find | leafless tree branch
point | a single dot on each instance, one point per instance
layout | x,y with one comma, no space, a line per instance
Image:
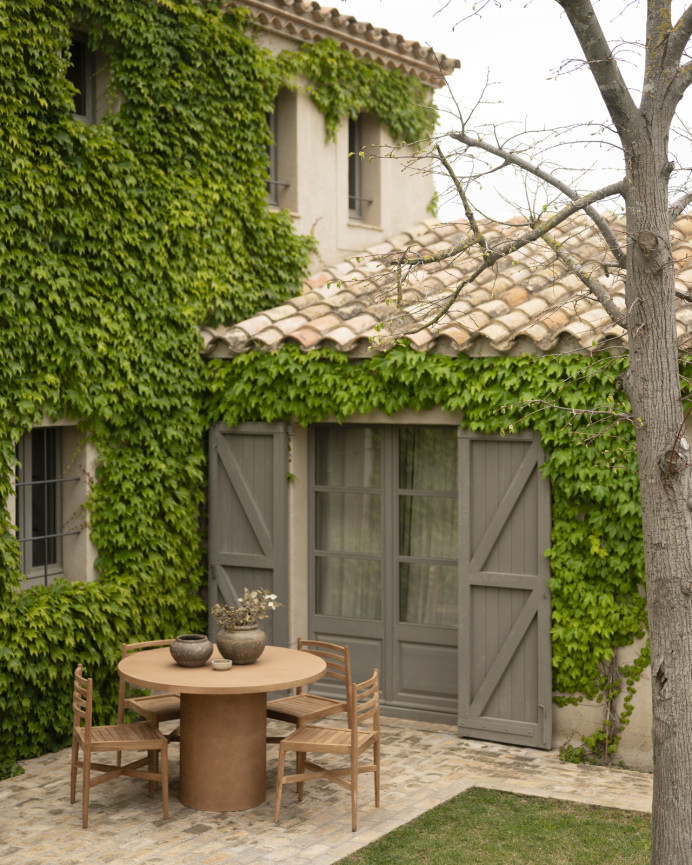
678,86
604,68
409,260
541,174
680,35
617,315
677,207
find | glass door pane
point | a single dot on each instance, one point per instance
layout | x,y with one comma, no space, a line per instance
428,526
348,523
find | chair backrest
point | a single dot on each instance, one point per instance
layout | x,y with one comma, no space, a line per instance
126,649
82,701
364,703
337,657
148,644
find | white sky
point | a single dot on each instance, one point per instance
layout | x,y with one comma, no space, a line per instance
520,45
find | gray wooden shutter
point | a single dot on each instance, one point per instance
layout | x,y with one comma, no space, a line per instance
505,689
248,514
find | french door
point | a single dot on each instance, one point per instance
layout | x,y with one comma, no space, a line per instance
384,540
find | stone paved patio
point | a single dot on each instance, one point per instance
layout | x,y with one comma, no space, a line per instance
423,764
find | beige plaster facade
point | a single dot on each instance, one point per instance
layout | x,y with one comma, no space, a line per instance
635,750
316,169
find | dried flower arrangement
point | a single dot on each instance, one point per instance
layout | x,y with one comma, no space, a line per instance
256,604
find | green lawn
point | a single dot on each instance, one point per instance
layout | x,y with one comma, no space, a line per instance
487,827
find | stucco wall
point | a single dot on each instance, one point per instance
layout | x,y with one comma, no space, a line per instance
318,197
635,750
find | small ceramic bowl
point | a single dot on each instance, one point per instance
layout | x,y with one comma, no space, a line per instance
221,664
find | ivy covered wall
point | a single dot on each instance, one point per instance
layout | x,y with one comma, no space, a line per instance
117,240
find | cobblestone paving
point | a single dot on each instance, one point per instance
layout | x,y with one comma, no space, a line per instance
423,764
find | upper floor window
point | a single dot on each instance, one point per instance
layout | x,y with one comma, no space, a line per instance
282,152
273,180
363,169
82,74
355,169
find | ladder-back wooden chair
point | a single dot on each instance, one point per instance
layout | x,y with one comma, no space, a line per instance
363,706
140,736
304,707
155,708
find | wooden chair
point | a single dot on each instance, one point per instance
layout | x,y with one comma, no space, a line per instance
363,705
156,707
303,707
140,736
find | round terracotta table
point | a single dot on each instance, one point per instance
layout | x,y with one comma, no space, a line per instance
223,760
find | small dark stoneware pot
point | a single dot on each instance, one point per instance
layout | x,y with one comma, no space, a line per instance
191,650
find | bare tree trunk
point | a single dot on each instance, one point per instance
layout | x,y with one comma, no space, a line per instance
653,387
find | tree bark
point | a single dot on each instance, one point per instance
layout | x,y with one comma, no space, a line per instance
653,387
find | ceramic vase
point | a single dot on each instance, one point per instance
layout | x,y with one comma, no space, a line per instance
191,650
243,645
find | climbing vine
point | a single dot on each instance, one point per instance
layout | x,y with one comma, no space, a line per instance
596,552
117,240
342,85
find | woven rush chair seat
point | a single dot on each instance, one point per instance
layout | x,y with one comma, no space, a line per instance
363,706
303,707
139,736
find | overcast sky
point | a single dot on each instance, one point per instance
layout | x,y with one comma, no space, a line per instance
521,45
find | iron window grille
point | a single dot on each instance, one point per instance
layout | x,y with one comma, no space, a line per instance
39,511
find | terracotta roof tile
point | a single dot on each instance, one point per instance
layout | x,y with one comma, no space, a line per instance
307,336
532,305
287,325
513,296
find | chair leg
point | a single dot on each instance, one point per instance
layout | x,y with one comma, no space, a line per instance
73,769
354,793
377,773
86,788
300,768
279,781
164,779
153,767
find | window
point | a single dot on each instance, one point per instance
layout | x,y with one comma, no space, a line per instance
282,151
363,169
385,512
355,170
50,492
82,74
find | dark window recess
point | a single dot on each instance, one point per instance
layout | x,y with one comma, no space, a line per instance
39,502
81,75
273,183
355,170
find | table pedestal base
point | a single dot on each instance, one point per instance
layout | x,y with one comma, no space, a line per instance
223,753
